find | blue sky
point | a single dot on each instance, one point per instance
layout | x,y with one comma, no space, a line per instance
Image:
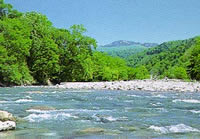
110,20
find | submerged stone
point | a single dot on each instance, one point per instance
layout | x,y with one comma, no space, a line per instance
129,128
42,108
34,92
92,130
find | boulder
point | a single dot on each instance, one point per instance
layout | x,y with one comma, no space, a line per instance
49,83
6,116
92,130
8,125
7,121
34,92
42,108
129,128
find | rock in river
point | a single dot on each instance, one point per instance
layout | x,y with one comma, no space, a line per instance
42,108
92,130
8,125
6,116
7,121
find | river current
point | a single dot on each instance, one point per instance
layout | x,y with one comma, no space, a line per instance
50,113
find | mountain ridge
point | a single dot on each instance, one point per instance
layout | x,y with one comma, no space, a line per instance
128,43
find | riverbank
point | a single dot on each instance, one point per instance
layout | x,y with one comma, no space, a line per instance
144,85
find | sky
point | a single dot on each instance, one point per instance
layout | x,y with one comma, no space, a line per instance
111,20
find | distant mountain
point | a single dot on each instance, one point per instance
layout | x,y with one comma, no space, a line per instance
122,51
124,48
129,43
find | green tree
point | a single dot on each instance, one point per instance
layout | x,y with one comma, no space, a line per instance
77,55
5,9
194,67
15,39
159,59
109,68
177,73
141,73
44,53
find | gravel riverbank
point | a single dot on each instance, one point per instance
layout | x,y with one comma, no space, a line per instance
145,85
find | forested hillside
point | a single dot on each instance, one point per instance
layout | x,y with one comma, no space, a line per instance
33,51
124,49
175,59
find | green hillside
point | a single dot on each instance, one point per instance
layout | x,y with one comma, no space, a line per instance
122,51
170,59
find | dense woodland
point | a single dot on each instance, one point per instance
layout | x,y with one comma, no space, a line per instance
175,59
122,51
33,51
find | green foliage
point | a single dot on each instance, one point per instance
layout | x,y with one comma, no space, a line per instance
163,59
108,68
14,37
177,73
194,66
5,9
76,52
33,51
122,51
44,53
138,73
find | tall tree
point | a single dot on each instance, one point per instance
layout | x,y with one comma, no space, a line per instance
78,50
44,53
4,9
14,36
194,67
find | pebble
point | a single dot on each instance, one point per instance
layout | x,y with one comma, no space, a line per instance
143,85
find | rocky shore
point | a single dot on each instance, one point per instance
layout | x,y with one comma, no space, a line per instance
145,85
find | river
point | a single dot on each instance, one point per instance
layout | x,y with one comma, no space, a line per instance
100,114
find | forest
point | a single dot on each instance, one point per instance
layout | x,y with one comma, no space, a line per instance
122,51
33,51
175,60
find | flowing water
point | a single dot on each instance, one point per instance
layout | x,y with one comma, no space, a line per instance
100,114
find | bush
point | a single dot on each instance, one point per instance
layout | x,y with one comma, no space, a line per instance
138,73
177,73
